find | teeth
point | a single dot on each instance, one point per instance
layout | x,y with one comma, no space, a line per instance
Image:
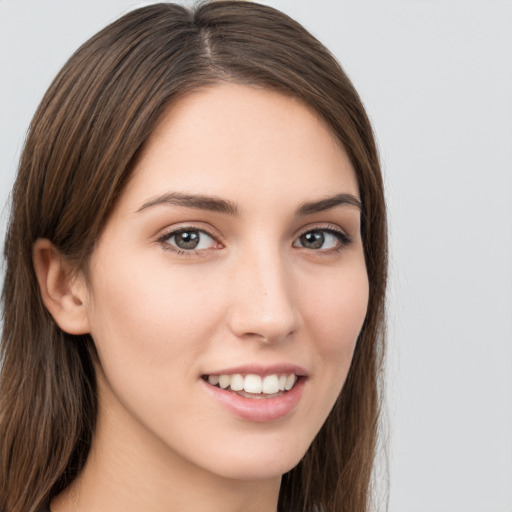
290,382
214,380
224,381
271,384
237,382
254,384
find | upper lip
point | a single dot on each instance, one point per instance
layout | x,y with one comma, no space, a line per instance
263,370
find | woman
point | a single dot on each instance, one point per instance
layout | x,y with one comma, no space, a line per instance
196,267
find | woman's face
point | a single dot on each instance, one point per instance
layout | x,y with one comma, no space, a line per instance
233,258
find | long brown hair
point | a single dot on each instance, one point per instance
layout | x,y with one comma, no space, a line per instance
79,154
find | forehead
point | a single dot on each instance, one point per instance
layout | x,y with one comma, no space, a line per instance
245,142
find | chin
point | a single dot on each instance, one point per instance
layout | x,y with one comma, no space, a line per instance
257,462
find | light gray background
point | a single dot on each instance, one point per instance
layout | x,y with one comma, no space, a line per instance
436,77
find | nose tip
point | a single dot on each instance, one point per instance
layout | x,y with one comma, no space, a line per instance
263,326
264,307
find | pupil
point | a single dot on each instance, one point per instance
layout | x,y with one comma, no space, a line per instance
312,240
187,239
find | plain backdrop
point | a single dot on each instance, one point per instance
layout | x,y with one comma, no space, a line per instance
436,78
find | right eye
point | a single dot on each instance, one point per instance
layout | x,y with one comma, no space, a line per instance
185,240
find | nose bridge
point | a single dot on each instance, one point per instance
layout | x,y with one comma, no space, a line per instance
263,304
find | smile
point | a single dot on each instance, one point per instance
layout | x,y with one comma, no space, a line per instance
253,385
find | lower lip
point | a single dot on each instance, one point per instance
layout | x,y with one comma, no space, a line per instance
258,409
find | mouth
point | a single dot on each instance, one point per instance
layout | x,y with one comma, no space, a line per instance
254,386
255,393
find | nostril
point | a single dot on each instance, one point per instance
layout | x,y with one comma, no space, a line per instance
264,328
263,303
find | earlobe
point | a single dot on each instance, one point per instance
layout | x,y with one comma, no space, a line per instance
63,293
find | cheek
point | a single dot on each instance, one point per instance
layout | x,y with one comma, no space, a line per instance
150,329
333,317
149,318
336,314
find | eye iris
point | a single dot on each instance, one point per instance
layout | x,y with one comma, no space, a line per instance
187,239
313,240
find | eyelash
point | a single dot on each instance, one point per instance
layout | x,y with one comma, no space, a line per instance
164,239
343,239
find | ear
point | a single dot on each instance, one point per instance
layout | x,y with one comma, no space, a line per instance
64,294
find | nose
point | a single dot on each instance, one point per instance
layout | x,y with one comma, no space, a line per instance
263,303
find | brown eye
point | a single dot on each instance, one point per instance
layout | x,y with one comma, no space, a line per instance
322,239
189,240
312,240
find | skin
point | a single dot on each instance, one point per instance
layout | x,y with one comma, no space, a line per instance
253,293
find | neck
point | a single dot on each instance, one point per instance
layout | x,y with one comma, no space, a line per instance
130,470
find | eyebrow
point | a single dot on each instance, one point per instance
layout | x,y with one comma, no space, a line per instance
201,202
328,203
216,204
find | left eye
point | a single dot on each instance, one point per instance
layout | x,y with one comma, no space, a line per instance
189,240
321,239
